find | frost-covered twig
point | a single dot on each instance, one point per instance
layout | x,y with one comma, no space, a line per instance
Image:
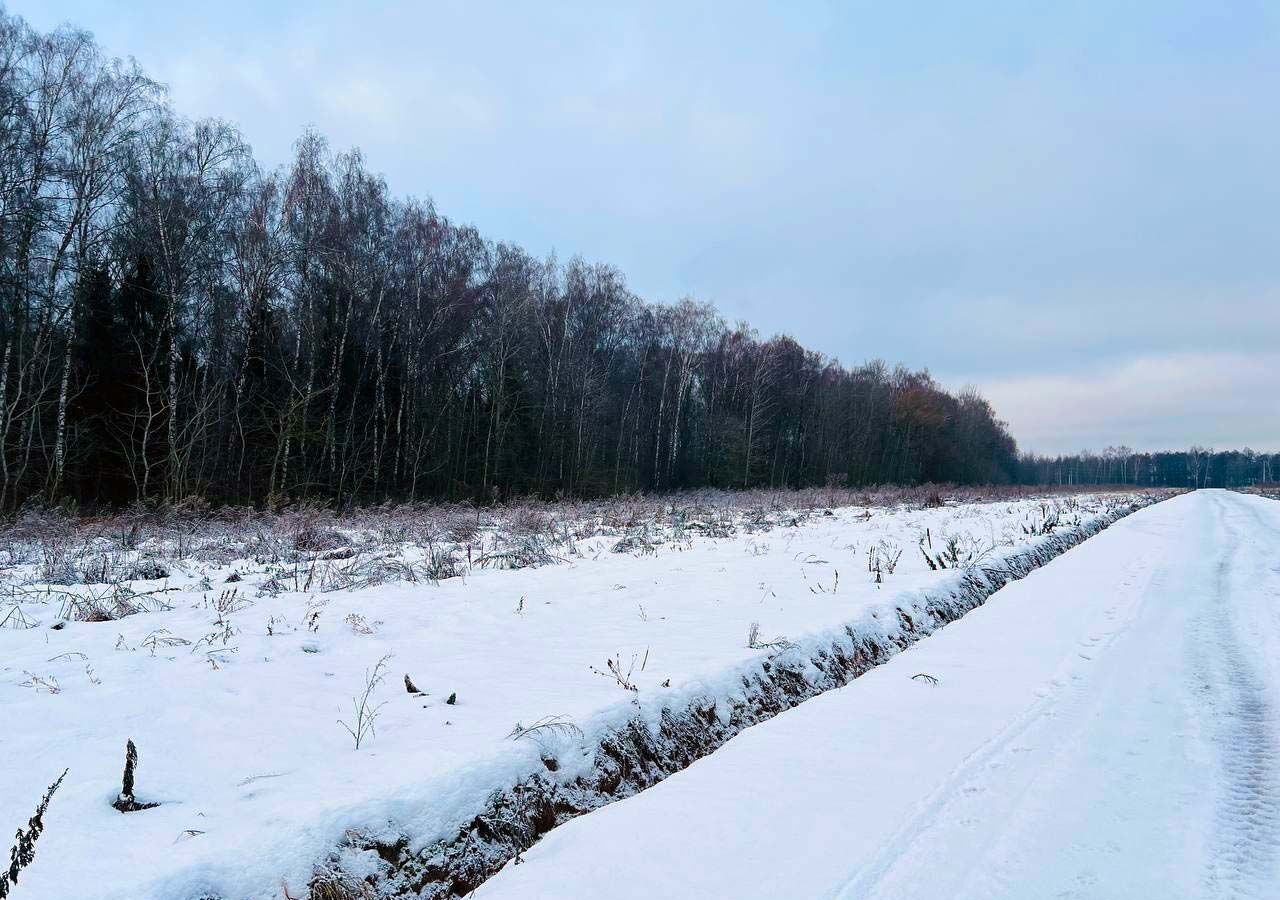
41,684
615,671
546,727
126,802
24,848
754,642
364,714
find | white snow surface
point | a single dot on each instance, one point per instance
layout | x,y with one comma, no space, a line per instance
1105,728
239,741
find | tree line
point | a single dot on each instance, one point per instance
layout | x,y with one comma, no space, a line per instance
1197,467
179,321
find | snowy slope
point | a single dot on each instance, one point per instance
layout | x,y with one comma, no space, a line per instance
1106,727
235,710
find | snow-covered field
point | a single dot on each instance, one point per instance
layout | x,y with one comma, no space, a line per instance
235,673
1108,727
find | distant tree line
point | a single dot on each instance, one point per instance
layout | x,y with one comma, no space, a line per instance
177,321
1197,467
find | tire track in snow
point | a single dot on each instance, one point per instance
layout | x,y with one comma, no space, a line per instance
1246,835
958,811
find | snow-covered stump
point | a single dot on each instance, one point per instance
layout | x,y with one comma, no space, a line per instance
663,737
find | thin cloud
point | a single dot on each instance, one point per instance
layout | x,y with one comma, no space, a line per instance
1149,403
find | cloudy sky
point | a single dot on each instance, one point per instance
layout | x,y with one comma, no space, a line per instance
1073,206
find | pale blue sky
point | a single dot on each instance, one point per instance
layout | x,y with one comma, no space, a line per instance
1073,206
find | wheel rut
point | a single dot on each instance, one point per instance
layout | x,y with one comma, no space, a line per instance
1246,833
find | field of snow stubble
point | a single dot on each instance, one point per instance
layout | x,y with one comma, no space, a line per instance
234,677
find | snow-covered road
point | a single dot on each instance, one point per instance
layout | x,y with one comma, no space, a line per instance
1107,727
